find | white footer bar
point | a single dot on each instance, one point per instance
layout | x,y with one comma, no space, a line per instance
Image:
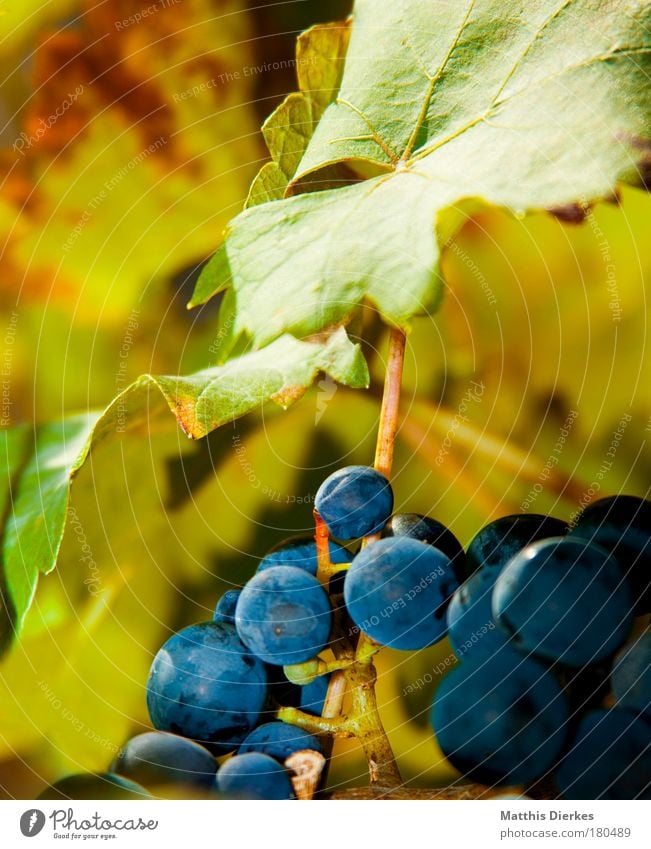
376,825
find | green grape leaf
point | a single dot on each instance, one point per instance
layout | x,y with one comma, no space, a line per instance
38,474
440,108
280,372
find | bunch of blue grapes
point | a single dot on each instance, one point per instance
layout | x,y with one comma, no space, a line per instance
553,675
551,631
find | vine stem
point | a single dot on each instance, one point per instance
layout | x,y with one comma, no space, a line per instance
389,411
383,769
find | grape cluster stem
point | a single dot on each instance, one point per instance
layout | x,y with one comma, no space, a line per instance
355,671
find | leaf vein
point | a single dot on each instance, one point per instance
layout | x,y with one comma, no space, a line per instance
433,79
376,137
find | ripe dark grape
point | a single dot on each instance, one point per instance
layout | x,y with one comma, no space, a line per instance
622,525
499,541
424,529
564,599
500,721
631,676
284,616
279,740
206,685
225,609
90,786
301,552
471,628
254,776
397,591
156,758
312,696
609,758
354,502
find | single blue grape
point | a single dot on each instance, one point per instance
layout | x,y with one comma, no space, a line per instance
397,591
90,786
622,525
354,502
500,721
284,616
206,685
225,608
499,541
471,628
610,757
156,758
254,776
301,552
631,675
312,696
564,599
279,740
428,530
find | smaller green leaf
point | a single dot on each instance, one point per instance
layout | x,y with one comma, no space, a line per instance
14,451
287,132
269,184
320,53
32,535
281,373
38,472
14,444
216,274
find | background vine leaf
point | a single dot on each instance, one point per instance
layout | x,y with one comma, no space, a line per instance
441,107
